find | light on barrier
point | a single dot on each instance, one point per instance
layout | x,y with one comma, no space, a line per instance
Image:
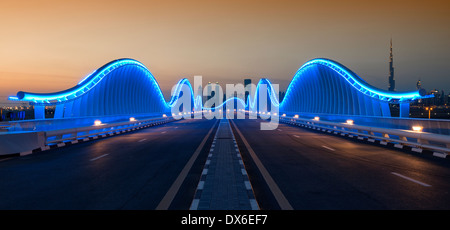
350,122
417,128
97,122
316,118
296,116
132,119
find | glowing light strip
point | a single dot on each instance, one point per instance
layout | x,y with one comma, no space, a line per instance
174,99
95,77
356,82
84,85
84,79
272,95
223,103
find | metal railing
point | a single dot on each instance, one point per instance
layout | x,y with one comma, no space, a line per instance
412,138
68,135
27,142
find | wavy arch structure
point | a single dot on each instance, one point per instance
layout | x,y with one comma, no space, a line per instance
123,86
126,86
325,86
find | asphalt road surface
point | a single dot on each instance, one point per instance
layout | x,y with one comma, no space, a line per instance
317,171
128,171
159,168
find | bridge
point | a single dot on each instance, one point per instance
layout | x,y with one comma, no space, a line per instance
115,142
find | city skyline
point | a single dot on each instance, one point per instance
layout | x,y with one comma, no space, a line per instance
50,46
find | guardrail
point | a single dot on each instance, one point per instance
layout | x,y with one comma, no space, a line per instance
416,139
19,143
65,135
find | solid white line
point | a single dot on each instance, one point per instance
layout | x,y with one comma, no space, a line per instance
173,190
410,179
142,140
331,149
164,132
104,155
279,196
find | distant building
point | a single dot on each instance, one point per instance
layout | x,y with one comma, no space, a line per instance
208,95
247,82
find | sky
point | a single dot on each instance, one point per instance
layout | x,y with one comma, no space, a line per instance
49,46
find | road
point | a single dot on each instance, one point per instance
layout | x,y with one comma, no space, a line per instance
159,168
128,171
321,171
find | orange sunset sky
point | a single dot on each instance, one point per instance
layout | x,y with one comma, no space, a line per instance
48,46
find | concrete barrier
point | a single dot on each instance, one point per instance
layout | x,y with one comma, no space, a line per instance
20,142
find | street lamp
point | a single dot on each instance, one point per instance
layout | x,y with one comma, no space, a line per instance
417,128
429,111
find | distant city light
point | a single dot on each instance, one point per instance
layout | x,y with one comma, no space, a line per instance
132,119
296,116
97,122
350,122
284,115
164,115
417,128
316,118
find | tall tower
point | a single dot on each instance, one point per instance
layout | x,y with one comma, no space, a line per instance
247,82
391,71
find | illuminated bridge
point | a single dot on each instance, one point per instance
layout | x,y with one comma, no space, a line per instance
115,142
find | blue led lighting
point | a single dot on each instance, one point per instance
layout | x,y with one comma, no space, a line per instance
90,81
251,103
84,85
174,98
358,83
226,101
